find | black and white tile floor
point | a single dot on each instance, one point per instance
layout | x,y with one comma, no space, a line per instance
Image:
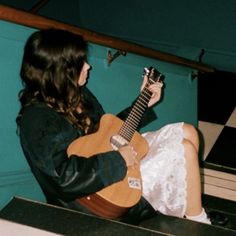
217,124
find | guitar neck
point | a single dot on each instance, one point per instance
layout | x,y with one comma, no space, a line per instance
140,106
133,120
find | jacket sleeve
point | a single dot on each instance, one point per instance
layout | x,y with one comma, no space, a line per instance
45,144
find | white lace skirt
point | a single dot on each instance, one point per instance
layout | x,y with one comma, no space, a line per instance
163,170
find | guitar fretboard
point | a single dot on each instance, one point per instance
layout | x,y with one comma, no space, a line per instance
140,106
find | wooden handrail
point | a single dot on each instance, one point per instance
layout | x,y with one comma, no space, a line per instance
39,22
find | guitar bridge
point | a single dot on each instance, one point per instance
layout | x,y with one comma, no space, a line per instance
118,141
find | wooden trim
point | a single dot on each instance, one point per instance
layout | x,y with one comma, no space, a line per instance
39,22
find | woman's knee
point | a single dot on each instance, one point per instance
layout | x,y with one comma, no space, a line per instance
190,151
191,134
190,131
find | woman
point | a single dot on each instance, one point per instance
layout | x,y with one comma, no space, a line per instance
57,108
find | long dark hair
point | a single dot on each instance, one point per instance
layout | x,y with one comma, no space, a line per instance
50,70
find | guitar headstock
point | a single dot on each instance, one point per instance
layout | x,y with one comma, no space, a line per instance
153,75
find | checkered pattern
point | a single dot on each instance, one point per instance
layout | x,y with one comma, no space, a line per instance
217,119
220,143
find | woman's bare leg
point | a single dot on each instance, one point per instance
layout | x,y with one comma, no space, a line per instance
194,210
194,202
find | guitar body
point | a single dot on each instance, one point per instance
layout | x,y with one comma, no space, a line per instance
114,200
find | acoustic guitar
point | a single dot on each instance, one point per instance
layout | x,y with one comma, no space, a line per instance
114,200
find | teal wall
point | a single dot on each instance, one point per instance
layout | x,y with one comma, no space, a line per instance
165,25
116,86
15,176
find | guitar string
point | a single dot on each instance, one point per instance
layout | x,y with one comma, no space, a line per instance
130,125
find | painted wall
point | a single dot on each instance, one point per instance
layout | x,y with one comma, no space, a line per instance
15,176
116,86
166,25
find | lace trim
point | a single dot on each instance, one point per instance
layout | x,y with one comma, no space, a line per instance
163,170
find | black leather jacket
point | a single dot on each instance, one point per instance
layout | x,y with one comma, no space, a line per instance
45,136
